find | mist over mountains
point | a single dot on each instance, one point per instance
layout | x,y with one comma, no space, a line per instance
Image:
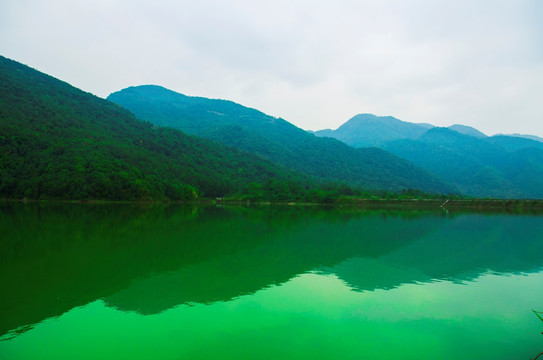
503,166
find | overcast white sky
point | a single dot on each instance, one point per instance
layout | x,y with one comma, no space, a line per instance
313,63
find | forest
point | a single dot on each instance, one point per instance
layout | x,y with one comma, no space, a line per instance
277,140
60,143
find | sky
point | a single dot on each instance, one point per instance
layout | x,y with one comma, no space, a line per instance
314,63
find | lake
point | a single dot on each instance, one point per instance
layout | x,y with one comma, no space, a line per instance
95,281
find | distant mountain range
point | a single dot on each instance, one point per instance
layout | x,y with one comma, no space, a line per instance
525,136
58,142
276,140
366,130
503,166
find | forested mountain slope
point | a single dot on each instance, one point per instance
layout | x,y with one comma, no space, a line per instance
365,130
276,140
478,165
59,142
489,167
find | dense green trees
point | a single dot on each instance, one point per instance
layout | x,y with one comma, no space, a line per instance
367,130
280,191
276,140
501,166
57,142
477,165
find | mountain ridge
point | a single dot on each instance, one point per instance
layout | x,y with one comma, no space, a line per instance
467,130
58,142
477,164
387,127
275,139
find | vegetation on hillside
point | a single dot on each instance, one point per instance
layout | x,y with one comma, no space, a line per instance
276,140
477,165
498,167
57,142
276,191
365,130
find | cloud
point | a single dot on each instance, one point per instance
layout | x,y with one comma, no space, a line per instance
314,63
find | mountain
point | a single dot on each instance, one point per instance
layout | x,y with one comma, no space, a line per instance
531,137
366,130
59,142
478,165
276,140
514,143
467,130
457,158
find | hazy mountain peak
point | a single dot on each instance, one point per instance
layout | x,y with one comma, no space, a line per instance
149,90
467,130
278,141
446,135
369,118
364,130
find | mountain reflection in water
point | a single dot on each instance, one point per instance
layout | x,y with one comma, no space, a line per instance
150,258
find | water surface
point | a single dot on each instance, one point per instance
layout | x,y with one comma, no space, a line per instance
185,282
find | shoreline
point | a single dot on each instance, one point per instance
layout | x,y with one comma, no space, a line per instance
426,204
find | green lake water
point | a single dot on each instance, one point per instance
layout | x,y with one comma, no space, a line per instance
186,282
